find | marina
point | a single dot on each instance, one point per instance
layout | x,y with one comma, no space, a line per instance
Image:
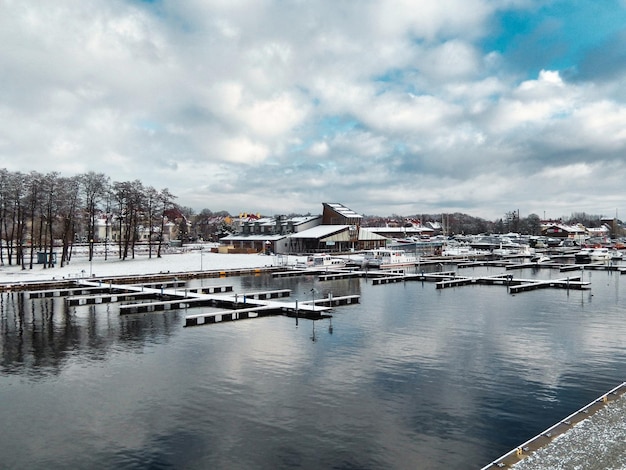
176,296
291,235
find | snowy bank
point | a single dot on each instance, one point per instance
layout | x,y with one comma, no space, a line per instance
169,262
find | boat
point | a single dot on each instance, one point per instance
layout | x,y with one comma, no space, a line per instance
600,254
583,256
590,255
540,258
318,261
464,251
388,258
513,250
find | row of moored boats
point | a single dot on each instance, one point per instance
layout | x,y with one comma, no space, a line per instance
389,257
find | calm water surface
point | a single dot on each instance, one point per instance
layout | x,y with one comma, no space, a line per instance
412,377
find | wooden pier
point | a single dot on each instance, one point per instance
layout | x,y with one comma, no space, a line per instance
448,279
98,289
156,298
574,283
341,275
309,310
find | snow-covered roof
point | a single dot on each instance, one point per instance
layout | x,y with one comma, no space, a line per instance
320,231
368,235
343,210
302,219
563,227
252,238
397,231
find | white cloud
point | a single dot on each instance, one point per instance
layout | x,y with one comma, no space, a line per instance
352,98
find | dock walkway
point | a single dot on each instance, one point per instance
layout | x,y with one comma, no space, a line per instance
239,305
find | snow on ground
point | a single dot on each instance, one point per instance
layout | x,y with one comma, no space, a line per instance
192,259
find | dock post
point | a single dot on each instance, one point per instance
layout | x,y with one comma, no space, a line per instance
296,312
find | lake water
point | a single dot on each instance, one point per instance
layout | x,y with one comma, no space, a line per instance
412,377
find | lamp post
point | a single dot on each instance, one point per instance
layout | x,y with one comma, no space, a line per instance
313,297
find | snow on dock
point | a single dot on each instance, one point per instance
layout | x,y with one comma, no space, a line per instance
240,305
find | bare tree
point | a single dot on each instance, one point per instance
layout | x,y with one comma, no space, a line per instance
68,197
33,184
4,202
129,196
13,216
94,186
166,200
135,207
49,213
151,201
121,194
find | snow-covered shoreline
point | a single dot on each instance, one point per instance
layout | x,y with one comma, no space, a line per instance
80,266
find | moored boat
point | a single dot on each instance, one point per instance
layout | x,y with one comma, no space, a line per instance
600,254
583,256
540,258
386,258
322,261
590,255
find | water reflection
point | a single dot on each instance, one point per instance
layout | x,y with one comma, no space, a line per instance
39,336
412,377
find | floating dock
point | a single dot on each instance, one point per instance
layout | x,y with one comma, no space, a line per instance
309,310
156,298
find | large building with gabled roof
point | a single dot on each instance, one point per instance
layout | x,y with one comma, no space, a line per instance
337,230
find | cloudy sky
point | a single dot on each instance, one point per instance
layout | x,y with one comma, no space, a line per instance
275,106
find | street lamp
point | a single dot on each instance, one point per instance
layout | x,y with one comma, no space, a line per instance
313,291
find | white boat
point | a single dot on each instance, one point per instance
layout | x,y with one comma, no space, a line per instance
461,250
600,254
540,258
589,255
387,258
616,254
583,256
324,261
513,250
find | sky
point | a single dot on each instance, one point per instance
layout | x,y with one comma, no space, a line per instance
275,106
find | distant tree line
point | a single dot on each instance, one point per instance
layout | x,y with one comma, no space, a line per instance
40,211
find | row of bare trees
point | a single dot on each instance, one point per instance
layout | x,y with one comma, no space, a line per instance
40,211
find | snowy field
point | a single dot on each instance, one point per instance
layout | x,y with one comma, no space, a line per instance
191,259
